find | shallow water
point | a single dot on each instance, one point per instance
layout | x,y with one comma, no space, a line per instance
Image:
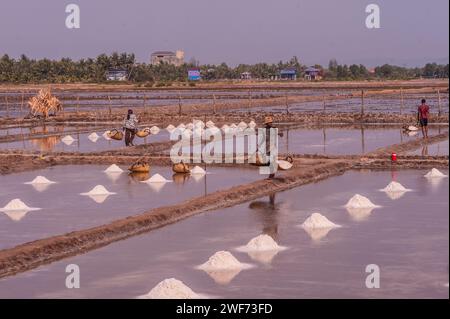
342,141
435,149
81,143
64,209
408,238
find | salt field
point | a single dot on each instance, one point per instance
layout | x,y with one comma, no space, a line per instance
63,209
407,237
81,142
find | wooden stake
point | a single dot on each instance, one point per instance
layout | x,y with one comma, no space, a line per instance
21,105
439,102
324,105
78,105
214,104
109,106
179,104
402,101
287,104
362,102
7,106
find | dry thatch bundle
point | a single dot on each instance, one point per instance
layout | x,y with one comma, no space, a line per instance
44,103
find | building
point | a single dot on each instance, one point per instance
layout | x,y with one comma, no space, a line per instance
246,76
288,74
313,74
194,75
116,75
169,57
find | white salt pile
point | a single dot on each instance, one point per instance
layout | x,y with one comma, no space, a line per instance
17,205
190,126
435,173
197,170
252,124
359,201
412,133
181,125
210,131
394,187
113,169
210,123
98,190
187,133
154,130
170,128
225,127
223,260
199,123
261,243
106,135
67,139
233,126
317,220
242,125
93,136
412,128
171,289
40,180
156,179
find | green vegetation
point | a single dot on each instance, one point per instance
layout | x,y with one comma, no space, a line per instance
25,70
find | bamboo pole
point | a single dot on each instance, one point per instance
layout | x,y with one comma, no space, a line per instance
109,107
144,104
287,103
179,104
402,101
21,104
7,106
362,102
439,102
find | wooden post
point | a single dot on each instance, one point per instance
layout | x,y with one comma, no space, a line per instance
323,101
362,102
402,101
143,104
214,104
439,102
21,105
249,99
179,104
78,105
287,103
7,106
109,107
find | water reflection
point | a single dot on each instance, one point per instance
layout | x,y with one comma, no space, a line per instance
268,213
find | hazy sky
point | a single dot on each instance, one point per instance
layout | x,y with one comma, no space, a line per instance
233,31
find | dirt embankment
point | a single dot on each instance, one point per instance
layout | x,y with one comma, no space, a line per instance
408,146
162,119
34,254
233,85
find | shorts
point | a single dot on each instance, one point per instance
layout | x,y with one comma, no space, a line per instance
423,122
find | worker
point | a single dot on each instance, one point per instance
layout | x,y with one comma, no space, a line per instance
130,127
423,113
268,125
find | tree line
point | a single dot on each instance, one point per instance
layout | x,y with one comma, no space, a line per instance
93,70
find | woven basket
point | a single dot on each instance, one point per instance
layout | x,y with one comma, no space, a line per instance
139,168
115,135
180,168
143,133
